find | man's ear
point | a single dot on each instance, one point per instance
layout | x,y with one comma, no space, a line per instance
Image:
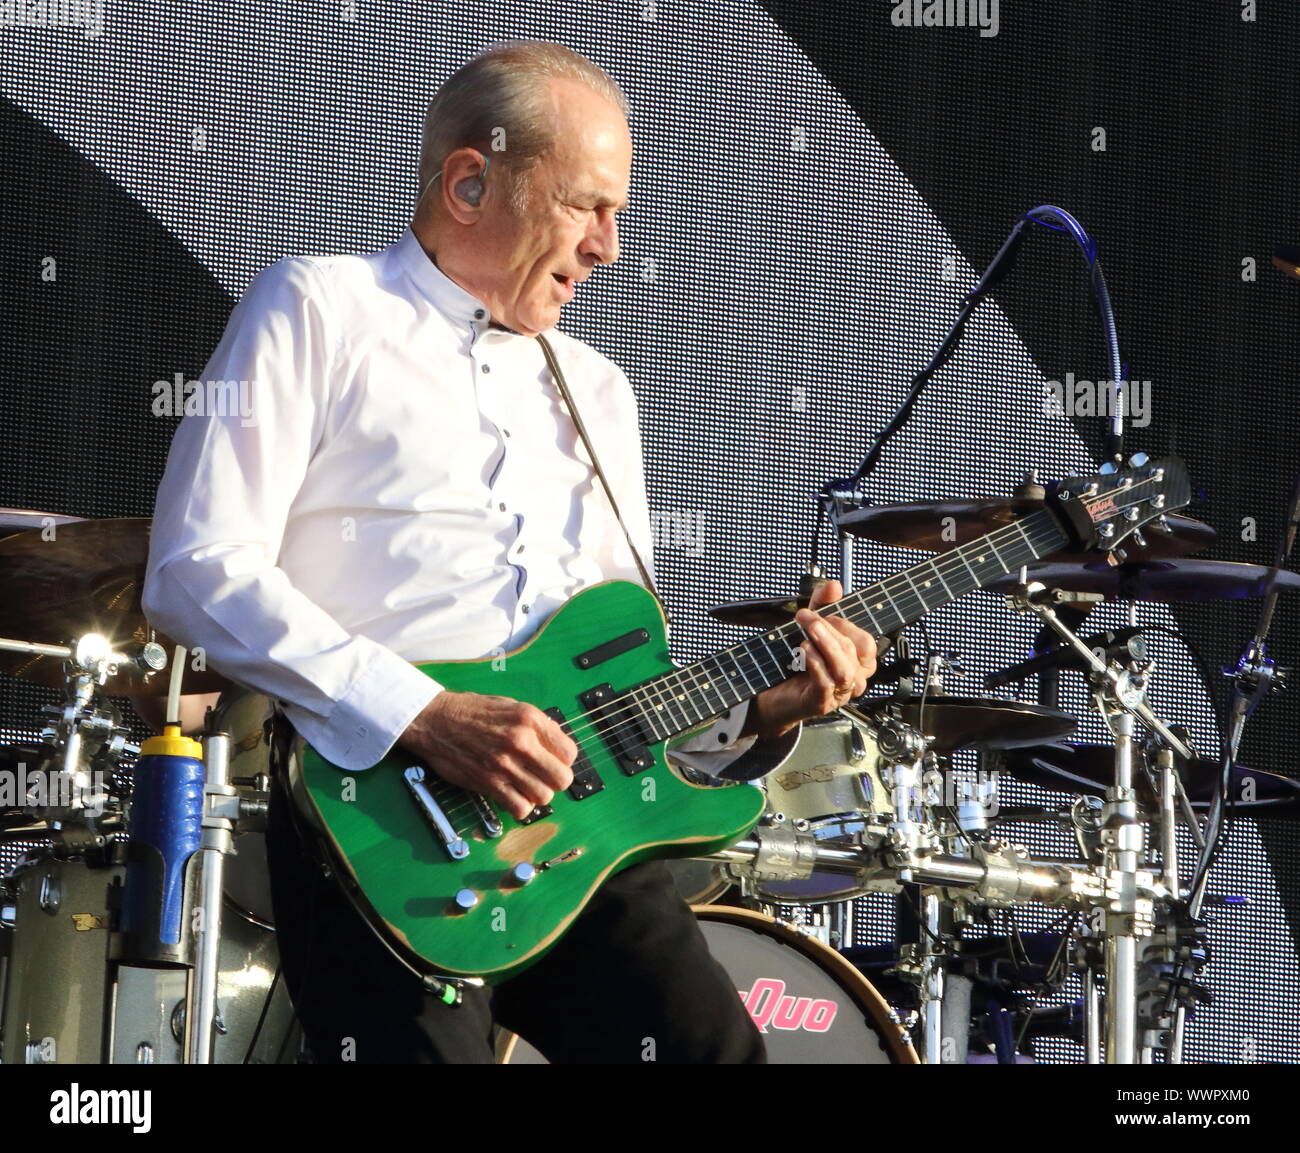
463,184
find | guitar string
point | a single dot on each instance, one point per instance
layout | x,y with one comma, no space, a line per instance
699,678
690,677
695,672
464,805
602,714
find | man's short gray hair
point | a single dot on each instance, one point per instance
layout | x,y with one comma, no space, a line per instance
497,102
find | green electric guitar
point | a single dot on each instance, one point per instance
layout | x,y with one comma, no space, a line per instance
460,888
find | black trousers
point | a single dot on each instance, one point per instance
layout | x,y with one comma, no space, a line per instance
631,981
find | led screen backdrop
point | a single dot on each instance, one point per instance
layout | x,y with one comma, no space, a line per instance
813,194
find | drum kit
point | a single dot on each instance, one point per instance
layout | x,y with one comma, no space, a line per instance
870,802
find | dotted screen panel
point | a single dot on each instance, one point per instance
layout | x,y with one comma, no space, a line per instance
782,277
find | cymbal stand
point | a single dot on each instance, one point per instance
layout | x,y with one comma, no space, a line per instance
83,726
1128,911
909,841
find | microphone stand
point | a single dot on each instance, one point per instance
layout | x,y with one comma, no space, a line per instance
1254,677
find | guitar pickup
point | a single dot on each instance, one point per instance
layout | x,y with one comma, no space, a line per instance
585,778
623,737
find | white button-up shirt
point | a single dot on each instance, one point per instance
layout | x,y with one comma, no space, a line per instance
401,483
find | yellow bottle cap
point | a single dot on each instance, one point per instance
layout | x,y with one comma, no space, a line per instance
172,744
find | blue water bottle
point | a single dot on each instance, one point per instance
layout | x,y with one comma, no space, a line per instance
165,829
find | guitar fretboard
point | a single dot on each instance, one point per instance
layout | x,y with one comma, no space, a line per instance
687,697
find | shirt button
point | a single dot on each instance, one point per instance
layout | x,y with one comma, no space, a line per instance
505,431
519,550
502,506
479,314
487,368
525,607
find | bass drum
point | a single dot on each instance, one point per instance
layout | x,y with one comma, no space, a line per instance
811,1005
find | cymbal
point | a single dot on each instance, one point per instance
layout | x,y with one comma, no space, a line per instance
84,577
1090,768
759,612
20,519
972,722
940,525
1166,580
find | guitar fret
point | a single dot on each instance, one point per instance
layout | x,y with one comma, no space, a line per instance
648,715
740,669
939,576
777,665
994,548
920,596
710,685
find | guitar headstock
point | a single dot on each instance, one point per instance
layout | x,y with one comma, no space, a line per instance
1114,505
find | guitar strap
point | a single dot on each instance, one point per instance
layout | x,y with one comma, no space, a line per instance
554,365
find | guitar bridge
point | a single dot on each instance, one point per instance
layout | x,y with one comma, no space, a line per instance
487,816
451,840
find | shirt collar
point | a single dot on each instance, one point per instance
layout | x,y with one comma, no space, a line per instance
444,293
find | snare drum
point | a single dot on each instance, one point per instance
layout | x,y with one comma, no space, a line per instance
831,785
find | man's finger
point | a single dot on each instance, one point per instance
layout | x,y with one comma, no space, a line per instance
838,649
826,593
863,641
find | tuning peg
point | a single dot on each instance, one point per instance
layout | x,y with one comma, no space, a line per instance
1138,459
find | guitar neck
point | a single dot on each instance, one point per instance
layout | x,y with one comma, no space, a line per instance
687,697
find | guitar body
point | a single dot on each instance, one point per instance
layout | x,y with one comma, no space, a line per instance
402,875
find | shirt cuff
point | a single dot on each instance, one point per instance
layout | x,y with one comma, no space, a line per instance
720,751
366,722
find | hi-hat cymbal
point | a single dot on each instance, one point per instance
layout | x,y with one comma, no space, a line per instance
972,722
1090,768
1166,580
81,577
759,612
940,525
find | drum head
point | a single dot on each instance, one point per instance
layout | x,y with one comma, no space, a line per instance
811,1005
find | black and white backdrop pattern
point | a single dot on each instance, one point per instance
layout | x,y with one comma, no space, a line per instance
781,280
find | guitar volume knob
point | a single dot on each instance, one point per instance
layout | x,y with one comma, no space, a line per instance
466,899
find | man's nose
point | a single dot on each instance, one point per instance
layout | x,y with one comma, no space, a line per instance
602,240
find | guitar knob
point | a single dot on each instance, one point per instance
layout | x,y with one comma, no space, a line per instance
466,899
1138,459
522,873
